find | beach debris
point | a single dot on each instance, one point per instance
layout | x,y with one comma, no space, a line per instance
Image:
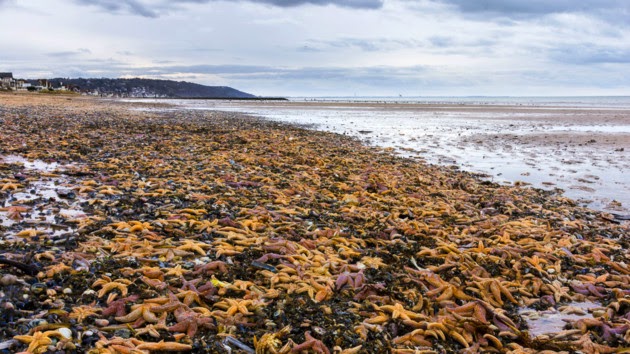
214,232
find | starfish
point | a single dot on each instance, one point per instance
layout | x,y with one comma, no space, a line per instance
373,262
587,345
416,337
177,271
171,304
353,280
189,245
398,311
189,321
152,272
211,267
38,342
118,345
10,186
138,226
233,306
108,190
109,285
154,283
117,307
271,342
14,212
311,345
189,284
58,268
84,189
152,329
28,233
190,296
144,311
80,313
163,346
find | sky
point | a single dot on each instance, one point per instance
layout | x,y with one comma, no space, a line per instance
329,47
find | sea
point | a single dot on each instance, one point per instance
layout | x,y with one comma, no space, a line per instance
578,146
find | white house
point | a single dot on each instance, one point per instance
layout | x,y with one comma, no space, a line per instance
6,80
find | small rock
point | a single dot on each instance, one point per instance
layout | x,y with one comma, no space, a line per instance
101,322
37,322
89,292
66,193
38,288
123,333
65,332
8,279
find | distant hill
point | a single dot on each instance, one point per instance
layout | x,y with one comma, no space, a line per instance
150,88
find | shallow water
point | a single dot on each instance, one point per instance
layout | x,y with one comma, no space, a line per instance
37,165
553,321
582,149
47,207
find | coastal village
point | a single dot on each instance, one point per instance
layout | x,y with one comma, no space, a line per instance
119,87
9,83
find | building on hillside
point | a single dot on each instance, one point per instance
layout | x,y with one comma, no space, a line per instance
6,80
44,83
22,85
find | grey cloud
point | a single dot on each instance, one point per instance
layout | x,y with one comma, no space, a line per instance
614,9
441,41
70,53
130,6
154,9
62,54
374,75
589,53
364,4
363,44
536,6
208,69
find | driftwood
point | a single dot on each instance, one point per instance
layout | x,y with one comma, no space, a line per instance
29,269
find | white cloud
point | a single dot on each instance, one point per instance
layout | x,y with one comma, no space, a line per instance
328,47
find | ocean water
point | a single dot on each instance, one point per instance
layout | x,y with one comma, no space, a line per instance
559,101
577,144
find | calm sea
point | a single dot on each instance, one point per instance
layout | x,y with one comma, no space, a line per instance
561,101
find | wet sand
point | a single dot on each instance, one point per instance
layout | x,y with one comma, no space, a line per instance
584,151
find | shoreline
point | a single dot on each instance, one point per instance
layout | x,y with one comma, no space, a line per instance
582,151
208,229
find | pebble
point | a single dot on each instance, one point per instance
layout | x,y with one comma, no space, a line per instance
123,333
8,279
65,332
37,322
101,322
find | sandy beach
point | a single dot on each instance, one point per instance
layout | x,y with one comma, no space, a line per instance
167,230
579,148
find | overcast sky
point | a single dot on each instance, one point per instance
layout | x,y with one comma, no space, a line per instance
329,47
